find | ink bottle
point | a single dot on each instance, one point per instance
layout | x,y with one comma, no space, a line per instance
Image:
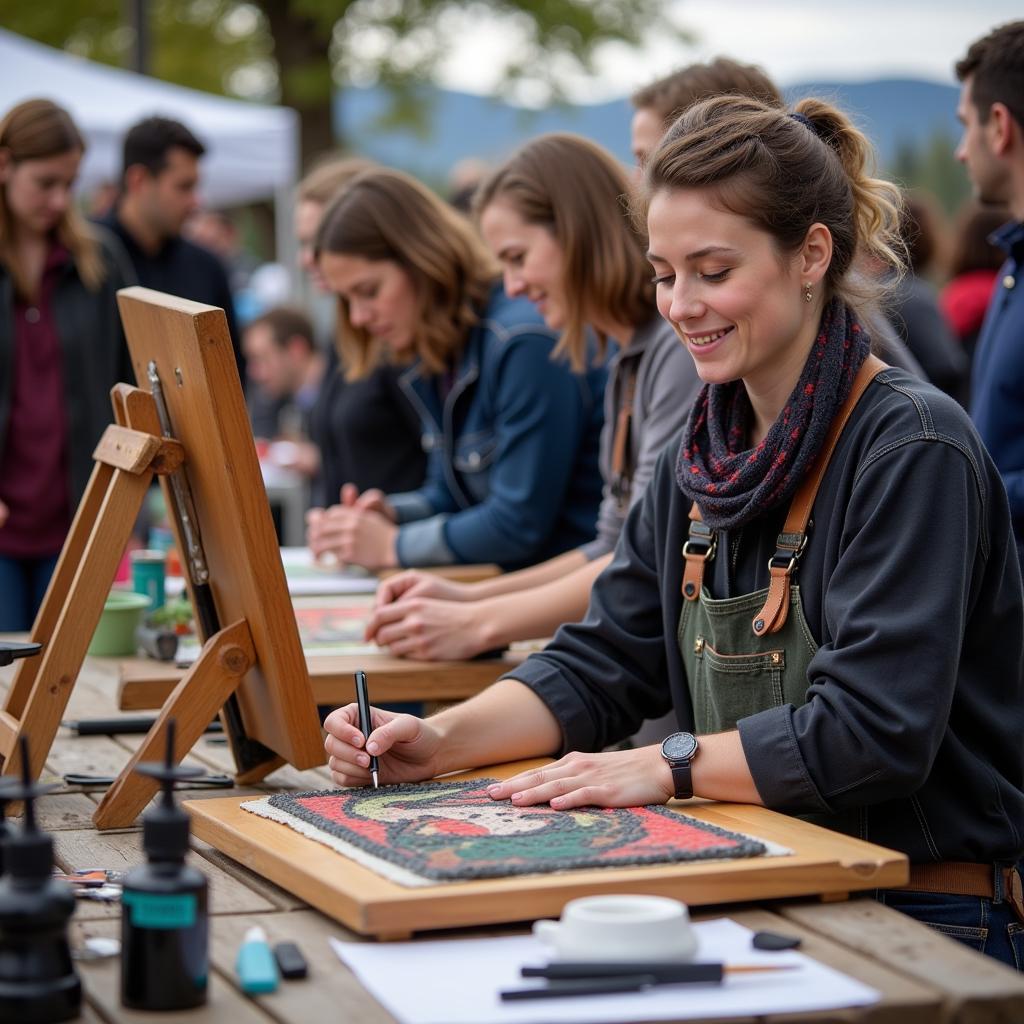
164,917
38,981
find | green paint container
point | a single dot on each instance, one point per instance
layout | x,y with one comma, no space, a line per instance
115,633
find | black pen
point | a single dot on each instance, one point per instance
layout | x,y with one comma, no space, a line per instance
365,721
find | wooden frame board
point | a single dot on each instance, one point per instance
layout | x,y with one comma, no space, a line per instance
823,863
191,348
146,684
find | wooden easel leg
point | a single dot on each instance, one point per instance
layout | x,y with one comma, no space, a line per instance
59,586
214,676
39,696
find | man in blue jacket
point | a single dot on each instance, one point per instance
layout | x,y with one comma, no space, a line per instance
992,148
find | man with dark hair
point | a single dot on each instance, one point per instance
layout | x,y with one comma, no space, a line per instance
159,181
282,360
991,110
657,105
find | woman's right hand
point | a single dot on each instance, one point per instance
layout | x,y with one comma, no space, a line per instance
407,747
413,583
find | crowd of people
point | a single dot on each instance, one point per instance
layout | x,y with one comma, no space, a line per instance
746,441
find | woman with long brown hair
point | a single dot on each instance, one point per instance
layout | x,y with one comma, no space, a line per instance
555,217
61,347
511,433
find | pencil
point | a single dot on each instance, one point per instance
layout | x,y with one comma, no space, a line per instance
591,979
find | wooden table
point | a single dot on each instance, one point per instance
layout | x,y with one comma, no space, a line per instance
144,684
924,977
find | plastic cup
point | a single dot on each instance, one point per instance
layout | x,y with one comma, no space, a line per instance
148,568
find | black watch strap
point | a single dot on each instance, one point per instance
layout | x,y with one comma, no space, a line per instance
682,779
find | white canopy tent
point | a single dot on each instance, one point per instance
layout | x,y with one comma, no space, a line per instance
251,150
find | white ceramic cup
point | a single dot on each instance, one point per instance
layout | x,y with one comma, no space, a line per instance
620,928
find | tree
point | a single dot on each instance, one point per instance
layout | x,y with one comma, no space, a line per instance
299,52
931,166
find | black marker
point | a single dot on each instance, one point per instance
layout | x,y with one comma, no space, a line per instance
365,721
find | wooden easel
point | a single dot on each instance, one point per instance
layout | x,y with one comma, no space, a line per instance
252,669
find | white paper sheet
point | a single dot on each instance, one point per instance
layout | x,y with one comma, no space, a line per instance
306,577
457,982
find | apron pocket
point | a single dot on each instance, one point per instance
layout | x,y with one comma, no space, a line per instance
728,687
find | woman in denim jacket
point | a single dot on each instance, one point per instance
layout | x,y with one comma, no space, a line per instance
512,435
553,215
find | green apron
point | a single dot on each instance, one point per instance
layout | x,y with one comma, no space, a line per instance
750,653
732,673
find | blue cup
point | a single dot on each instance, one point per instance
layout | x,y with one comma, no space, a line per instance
148,575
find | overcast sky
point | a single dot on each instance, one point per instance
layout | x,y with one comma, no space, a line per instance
794,40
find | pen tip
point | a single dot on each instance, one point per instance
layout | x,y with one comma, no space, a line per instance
376,783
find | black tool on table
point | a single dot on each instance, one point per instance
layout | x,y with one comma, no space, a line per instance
290,961
774,941
9,651
585,978
194,782
128,725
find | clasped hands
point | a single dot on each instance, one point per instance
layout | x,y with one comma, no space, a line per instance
422,615
358,531
411,749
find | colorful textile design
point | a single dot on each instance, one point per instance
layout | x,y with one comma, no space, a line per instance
733,484
450,831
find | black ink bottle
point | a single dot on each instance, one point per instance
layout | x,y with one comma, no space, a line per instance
164,922
38,982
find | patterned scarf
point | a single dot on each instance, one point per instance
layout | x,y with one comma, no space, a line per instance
733,484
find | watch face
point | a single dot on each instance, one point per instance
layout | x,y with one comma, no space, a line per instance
680,746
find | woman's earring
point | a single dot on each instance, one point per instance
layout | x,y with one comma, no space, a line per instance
807,291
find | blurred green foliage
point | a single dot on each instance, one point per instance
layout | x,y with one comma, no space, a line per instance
934,169
299,51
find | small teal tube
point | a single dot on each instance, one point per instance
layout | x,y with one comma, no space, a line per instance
255,966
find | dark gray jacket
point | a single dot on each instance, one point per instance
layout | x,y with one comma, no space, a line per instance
911,735
92,347
666,385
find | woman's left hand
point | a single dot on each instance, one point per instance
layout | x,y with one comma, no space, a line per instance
617,778
432,630
355,536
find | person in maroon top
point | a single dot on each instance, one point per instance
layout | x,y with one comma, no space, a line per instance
61,348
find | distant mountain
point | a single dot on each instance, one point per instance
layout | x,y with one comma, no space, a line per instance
459,125
892,111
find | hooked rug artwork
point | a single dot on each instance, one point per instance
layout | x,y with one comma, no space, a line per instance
426,833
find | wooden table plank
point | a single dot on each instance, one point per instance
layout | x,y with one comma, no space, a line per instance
975,988
330,993
120,851
101,980
904,1000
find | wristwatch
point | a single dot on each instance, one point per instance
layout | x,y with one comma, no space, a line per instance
679,750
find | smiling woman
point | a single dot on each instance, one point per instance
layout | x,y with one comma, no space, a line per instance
61,348
830,645
511,434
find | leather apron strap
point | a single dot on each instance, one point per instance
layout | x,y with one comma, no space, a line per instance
701,543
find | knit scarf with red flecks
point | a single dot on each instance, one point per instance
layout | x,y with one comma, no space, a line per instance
733,484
